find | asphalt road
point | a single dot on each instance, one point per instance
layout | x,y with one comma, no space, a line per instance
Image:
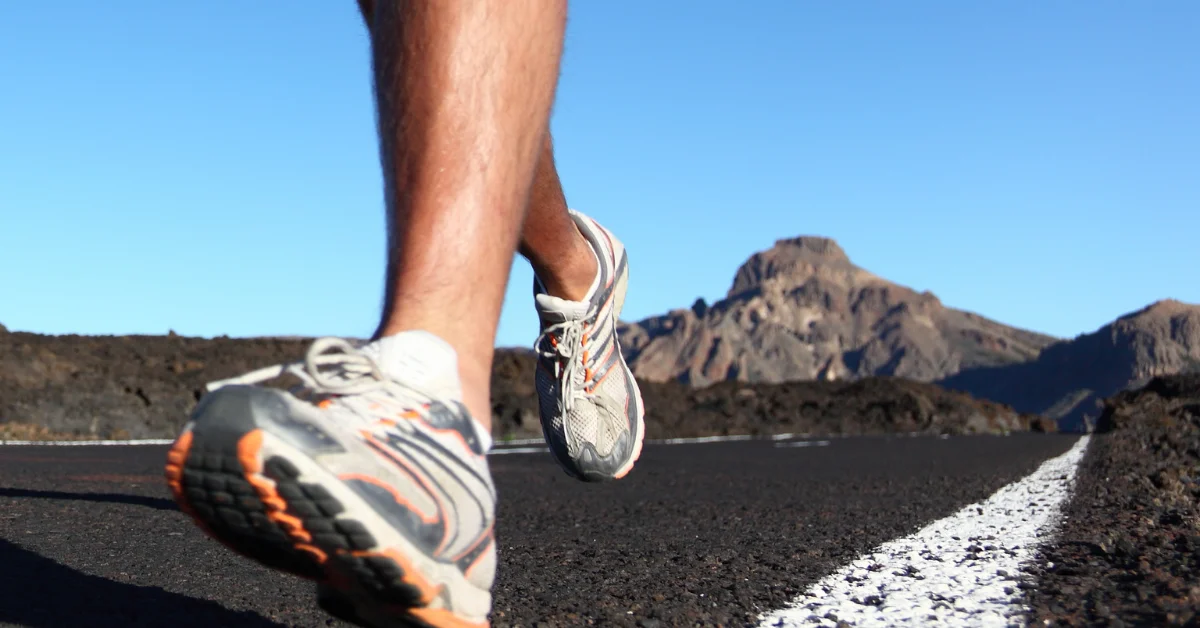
698,534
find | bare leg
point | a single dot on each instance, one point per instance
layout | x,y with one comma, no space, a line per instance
464,91
560,256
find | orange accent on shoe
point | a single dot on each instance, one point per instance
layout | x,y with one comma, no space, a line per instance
247,452
471,568
411,574
612,295
485,540
587,372
457,436
445,619
448,530
596,384
324,403
637,452
413,414
176,457
612,250
317,554
591,373
248,448
425,518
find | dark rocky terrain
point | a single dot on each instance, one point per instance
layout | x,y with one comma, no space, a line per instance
145,386
1069,380
1129,551
874,405
802,311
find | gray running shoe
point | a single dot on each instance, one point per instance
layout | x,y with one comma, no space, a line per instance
591,407
375,484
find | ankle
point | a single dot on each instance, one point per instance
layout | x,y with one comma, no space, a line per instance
570,276
437,366
476,386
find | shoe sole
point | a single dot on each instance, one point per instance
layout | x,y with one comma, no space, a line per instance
267,501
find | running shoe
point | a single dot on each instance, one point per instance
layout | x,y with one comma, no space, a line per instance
590,405
370,478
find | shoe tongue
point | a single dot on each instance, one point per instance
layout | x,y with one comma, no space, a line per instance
555,310
419,360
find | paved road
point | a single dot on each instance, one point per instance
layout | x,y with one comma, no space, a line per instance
700,534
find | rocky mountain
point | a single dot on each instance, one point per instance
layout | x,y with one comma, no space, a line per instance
1069,380
802,310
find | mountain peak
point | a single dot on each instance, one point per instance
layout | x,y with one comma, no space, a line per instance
813,246
793,260
1169,305
1162,307
802,310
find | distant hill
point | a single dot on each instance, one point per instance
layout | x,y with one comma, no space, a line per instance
802,310
1070,379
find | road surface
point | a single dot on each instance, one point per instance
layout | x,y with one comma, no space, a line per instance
699,534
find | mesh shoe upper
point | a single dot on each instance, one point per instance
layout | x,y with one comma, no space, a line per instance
590,405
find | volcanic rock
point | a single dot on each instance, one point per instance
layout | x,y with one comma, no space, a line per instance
1128,552
145,387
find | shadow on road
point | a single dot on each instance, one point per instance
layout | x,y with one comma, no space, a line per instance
157,503
38,592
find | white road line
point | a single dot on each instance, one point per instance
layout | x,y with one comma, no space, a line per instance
520,442
673,441
498,451
88,443
166,441
804,443
701,439
520,446
959,571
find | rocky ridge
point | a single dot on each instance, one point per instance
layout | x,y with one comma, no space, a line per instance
802,310
1069,380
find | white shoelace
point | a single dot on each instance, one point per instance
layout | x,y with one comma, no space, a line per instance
566,347
353,371
335,367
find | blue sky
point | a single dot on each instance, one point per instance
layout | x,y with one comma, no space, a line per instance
212,168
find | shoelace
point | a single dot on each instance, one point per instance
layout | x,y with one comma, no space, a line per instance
335,367
563,342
